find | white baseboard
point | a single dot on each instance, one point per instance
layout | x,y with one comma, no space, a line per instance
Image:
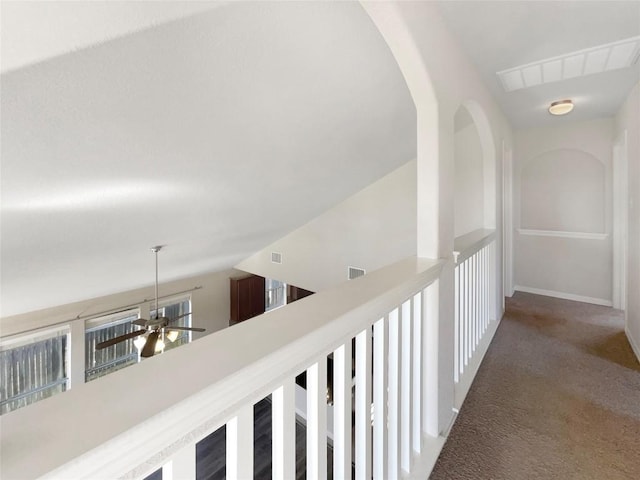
632,342
566,296
431,448
555,233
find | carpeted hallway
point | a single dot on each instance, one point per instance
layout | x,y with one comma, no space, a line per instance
557,397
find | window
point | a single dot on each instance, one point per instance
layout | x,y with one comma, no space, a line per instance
115,357
33,367
275,294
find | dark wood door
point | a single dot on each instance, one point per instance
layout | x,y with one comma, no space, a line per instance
247,297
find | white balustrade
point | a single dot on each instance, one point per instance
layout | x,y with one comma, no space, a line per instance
475,298
186,394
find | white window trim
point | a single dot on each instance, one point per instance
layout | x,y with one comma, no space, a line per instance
22,339
96,323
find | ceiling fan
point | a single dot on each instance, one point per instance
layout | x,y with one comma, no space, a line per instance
158,328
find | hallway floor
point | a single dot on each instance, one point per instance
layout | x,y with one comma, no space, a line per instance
557,397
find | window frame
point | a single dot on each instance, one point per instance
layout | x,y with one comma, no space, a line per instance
102,322
25,340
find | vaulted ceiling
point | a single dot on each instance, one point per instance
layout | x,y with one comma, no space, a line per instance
216,128
213,133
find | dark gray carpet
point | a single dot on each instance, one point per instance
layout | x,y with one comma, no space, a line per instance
557,397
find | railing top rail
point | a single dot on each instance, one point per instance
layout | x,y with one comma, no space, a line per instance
110,427
466,245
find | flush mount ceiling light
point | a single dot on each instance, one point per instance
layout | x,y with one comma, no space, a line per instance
561,107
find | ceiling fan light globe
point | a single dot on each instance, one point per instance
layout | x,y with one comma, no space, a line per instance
139,342
172,335
159,346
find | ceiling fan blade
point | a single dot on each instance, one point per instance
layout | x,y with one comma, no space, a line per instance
192,329
140,321
150,347
179,316
121,338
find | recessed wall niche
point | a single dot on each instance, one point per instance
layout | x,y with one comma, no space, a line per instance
469,175
563,190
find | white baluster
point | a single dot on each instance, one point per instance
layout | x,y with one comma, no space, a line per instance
470,312
342,411
393,392
406,386
284,430
317,420
240,445
416,402
494,308
476,301
485,285
481,291
430,336
380,379
464,292
456,322
363,405
487,256
469,308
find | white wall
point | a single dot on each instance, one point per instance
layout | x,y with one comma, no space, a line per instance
469,181
628,118
563,190
563,210
373,228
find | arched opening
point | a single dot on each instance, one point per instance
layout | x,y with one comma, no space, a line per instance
393,28
475,177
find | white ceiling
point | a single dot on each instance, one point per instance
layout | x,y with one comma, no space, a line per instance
39,30
499,35
217,128
214,134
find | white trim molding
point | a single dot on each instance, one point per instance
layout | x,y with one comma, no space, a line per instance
467,245
557,233
566,296
507,221
620,220
632,342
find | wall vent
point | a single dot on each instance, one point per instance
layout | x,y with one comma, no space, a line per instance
355,272
276,257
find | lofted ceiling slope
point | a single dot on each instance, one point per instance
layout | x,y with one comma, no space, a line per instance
214,134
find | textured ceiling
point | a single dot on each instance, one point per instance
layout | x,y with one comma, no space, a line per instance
34,30
498,35
214,134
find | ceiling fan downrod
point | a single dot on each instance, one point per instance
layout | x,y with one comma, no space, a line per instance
155,250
